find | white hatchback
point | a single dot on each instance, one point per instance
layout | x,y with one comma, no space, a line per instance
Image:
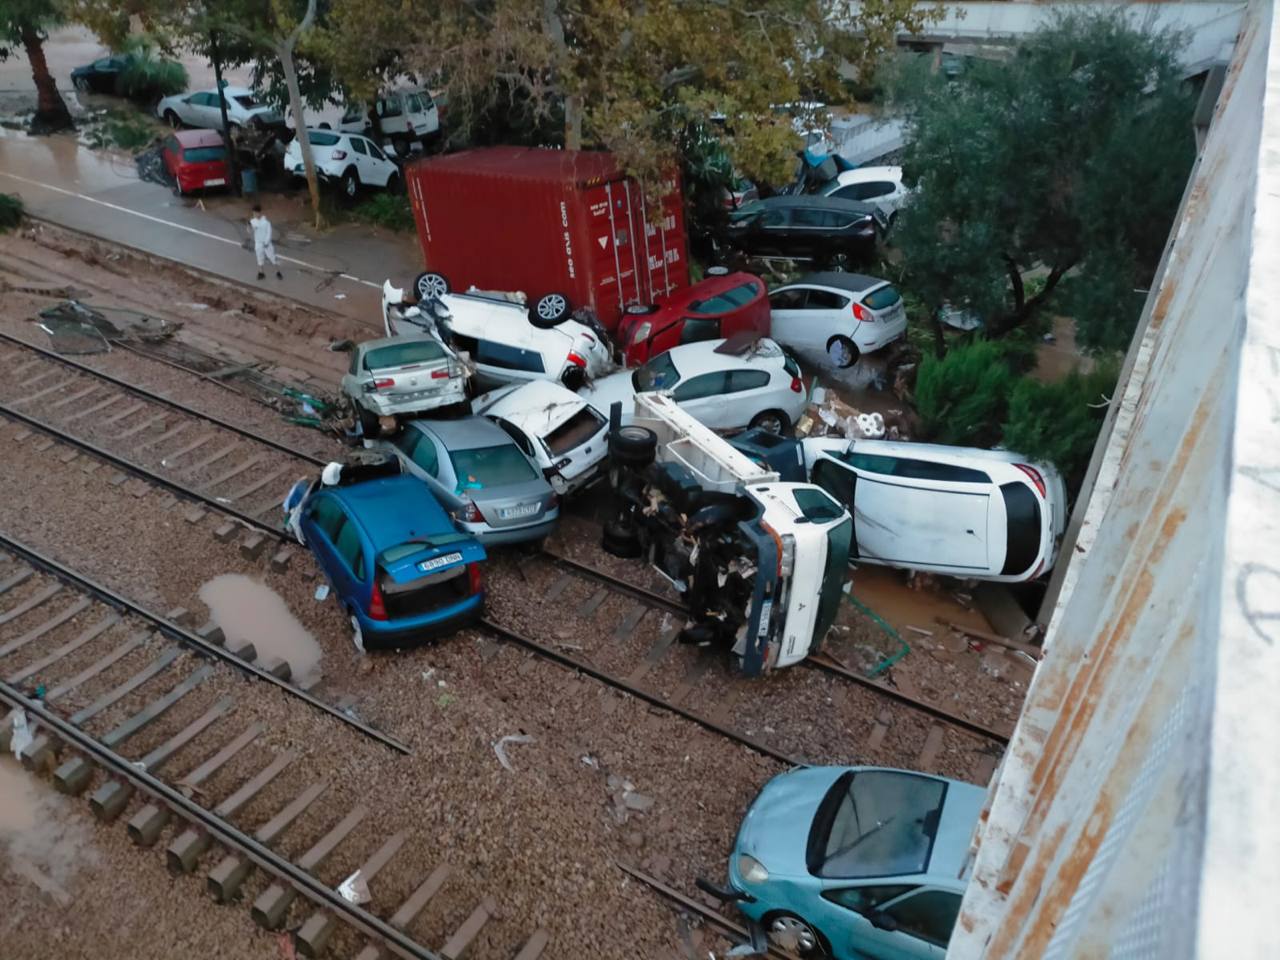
557,429
347,159
833,318
959,511
504,345
727,384
880,186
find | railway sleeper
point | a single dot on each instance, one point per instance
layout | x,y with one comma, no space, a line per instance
316,931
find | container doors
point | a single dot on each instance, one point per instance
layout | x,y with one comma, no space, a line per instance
612,247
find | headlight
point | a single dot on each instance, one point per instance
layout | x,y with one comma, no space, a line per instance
751,869
642,332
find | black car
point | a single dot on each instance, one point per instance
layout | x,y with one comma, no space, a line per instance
101,76
829,231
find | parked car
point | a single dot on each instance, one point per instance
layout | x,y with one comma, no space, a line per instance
402,376
879,186
404,115
747,381
196,159
557,429
959,511
397,565
492,489
829,231
855,862
498,332
347,159
103,75
203,109
712,309
834,318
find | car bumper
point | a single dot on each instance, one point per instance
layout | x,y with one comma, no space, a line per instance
491,536
383,635
422,405
883,336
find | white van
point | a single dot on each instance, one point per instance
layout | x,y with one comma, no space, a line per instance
405,115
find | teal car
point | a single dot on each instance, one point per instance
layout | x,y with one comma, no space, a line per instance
855,862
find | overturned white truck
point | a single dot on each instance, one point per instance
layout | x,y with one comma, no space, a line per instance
760,563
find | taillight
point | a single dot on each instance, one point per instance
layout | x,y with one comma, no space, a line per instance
471,513
339,155
384,382
440,374
1034,476
797,385
577,361
860,313
377,609
473,574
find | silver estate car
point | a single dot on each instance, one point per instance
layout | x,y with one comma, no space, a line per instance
400,376
478,473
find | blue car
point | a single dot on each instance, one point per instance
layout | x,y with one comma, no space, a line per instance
855,862
397,564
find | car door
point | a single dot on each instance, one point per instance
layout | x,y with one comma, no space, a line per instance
360,154
841,481
703,397
794,324
844,912
321,520
420,452
772,230
351,568
380,167
924,919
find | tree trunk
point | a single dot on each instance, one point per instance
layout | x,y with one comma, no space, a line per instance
51,112
233,154
285,53
939,337
573,122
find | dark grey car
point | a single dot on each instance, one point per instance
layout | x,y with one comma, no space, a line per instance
493,491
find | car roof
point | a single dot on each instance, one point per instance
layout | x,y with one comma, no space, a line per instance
824,203
709,287
863,174
693,358
538,406
198,138
386,507
233,91
852,282
466,433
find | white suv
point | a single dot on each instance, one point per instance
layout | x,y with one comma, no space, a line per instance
880,186
346,158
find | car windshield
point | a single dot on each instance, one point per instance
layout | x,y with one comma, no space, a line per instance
658,374
403,354
247,101
321,138
204,154
497,466
739,296
413,103
574,432
417,545
876,823
884,297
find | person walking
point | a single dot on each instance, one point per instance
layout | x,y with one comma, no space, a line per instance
263,248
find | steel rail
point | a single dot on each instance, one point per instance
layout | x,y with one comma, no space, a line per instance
158,398
231,837
170,629
813,662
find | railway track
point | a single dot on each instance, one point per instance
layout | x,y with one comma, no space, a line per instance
161,729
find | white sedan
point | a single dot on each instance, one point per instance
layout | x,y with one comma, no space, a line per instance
203,108
727,384
345,158
833,318
557,429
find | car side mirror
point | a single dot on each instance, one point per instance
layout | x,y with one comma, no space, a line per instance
882,921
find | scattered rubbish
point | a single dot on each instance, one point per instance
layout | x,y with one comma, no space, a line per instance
22,735
959,318
195,306
354,889
285,943
322,592
74,328
444,700
428,673
920,630
590,761
339,296
441,684
499,748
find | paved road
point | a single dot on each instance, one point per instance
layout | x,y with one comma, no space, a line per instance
100,193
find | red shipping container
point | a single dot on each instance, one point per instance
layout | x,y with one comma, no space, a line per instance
548,221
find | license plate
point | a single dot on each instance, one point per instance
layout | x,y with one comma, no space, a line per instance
215,182
513,513
435,563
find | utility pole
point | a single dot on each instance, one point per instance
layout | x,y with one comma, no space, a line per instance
232,160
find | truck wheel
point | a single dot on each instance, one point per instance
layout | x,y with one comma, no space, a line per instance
771,421
431,285
719,270
633,445
620,540
549,311
842,352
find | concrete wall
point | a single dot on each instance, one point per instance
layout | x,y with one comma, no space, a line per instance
1133,814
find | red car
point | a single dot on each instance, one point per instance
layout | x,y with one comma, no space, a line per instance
719,306
196,159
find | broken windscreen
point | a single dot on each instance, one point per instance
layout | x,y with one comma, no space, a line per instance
876,823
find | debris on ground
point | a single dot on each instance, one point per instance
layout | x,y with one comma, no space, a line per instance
74,328
354,889
499,748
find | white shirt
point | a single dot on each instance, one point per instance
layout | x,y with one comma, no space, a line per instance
261,231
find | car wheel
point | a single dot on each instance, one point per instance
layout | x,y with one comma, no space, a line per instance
633,445
839,263
357,634
431,285
393,183
620,540
640,309
172,119
796,935
771,421
350,184
842,352
403,145
550,310
574,377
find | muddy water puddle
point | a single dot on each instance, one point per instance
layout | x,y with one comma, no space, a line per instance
41,840
248,610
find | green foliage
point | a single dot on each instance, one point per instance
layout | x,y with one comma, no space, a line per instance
1072,156
125,129
10,212
1059,422
385,209
962,398
149,76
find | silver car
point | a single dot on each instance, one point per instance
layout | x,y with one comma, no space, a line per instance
479,474
402,376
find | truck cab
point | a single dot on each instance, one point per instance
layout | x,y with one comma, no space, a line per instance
761,563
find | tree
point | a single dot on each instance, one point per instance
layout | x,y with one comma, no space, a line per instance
27,23
1069,159
962,398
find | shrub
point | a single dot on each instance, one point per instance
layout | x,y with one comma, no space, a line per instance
149,77
962,398
1059,422
10,212
386,209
